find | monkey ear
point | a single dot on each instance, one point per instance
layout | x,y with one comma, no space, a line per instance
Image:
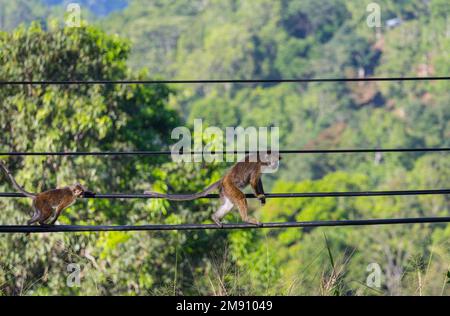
80,186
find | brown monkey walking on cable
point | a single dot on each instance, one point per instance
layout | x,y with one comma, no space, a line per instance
49,203
245,172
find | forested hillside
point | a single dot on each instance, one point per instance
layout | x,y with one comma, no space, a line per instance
223,39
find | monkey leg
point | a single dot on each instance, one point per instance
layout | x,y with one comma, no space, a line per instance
35,217
238,198
261,195
53,218
46,213
257,186
223,210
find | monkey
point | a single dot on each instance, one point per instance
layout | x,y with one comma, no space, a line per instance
48,203
245,172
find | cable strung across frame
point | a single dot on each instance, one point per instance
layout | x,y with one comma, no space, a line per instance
281,151
161,227
267,195
218,81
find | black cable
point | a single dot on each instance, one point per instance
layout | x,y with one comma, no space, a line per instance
159,227
92,82
268,195
168,152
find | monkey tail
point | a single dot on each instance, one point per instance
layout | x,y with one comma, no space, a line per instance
186,197
15,184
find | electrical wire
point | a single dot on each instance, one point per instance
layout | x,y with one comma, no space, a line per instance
164,227
218,81
168,152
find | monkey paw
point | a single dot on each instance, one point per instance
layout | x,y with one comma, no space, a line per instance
261,198
217,221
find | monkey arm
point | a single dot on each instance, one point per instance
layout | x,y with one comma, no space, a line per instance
260,190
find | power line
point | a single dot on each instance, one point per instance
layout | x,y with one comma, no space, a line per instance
168,152
219,81
160,227
268,195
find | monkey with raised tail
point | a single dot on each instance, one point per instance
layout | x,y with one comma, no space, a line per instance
245,172
49,203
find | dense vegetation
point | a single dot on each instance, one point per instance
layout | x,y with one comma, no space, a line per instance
220,40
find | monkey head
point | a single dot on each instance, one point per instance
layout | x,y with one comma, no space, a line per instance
78,190
270,161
